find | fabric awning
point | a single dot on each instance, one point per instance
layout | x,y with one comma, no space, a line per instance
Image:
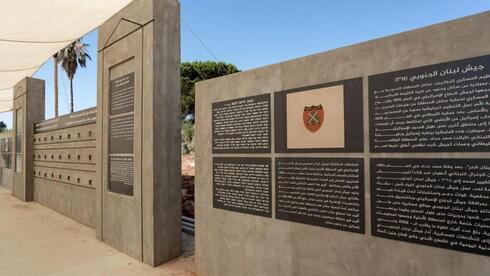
31,31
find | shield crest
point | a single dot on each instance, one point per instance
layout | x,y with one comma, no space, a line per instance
313,117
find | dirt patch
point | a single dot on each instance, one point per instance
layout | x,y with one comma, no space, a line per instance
188,164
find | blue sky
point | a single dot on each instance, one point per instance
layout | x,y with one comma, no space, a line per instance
255,33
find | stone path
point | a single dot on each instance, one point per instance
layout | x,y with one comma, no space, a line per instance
35,240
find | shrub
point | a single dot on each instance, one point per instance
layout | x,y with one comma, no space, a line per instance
187,137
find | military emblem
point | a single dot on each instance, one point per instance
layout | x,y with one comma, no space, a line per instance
313,117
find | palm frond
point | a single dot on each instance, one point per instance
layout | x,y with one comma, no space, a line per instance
72,56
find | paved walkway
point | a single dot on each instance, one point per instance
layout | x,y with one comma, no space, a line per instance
35,240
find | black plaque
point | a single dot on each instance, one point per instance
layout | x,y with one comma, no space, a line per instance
6,152
242,185
121,135
122,94
79,118
436,202
327,192
435,108
353,118
121,172
242,125
19,133
6,145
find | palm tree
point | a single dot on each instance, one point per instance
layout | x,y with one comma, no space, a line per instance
55,80
70,57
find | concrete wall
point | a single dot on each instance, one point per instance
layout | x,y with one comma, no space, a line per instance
65,166
64,170
29,107
7,177
230,243
6,171
143,39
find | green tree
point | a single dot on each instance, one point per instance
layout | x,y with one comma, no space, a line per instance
192,72
3,126
70,57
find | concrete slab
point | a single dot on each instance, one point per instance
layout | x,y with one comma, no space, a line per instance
35,240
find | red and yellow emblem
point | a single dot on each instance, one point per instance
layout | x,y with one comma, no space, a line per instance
313,117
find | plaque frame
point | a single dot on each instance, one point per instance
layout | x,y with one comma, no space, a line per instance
118,187
353,118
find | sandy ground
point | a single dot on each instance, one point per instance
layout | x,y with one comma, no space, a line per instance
35,240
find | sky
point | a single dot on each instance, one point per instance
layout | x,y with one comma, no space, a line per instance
255,33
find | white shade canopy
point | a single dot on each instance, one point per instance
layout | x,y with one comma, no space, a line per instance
33,30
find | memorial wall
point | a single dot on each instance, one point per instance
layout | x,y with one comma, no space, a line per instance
64,166
114,167
371,159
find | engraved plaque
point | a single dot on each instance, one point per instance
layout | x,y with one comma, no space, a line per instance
121,174
242,185
437,202
79,118
327,192
121,135
435,108
122,95
242,125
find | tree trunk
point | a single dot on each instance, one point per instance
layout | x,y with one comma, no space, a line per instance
71,95
55,61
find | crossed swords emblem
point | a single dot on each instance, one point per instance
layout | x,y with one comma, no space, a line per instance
313,118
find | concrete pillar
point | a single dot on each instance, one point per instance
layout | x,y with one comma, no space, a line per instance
138,128
28,109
